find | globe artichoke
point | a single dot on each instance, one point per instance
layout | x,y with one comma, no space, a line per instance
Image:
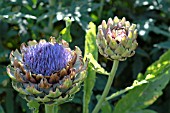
116,39
47,72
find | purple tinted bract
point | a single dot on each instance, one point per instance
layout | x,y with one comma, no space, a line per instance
46,58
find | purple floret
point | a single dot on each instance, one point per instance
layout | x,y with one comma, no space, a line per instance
46,58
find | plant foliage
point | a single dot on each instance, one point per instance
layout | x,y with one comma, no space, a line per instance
23,20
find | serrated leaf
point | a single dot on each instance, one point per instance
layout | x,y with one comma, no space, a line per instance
142,96
146,94
66,31
95,66
90,47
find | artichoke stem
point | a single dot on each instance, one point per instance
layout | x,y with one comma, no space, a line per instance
51,108
107,87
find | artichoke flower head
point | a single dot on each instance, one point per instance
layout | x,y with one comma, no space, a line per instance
47,72
116,39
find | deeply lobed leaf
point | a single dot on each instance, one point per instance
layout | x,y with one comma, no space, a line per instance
158,76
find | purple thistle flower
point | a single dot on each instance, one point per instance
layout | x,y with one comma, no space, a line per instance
46,58
47,71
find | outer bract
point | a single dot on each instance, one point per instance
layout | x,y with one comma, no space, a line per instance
116,39
47,72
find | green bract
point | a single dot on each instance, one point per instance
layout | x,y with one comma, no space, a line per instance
58,87
116,39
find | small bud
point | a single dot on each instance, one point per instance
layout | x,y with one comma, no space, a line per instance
116,40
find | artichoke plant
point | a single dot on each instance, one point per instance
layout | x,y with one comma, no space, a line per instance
47,72
116,39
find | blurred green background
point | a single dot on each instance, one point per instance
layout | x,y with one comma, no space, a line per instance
23,20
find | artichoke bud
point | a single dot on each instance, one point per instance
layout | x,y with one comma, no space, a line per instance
116,39
47,71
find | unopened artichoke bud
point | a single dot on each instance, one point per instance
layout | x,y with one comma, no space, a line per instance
47,72
116,39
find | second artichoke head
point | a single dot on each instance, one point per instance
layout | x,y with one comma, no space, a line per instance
116,39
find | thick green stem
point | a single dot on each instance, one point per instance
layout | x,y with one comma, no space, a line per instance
51,108
107,87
